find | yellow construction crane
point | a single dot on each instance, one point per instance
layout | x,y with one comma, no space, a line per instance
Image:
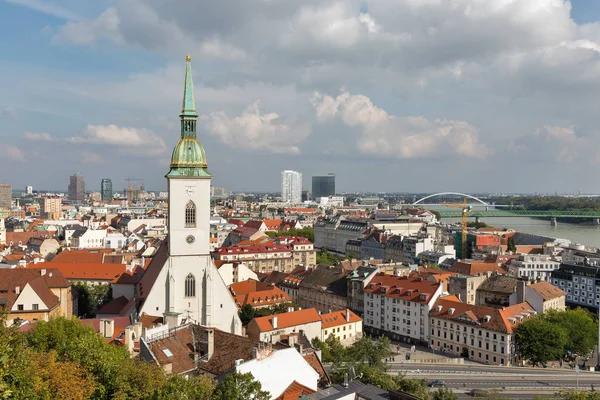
465,209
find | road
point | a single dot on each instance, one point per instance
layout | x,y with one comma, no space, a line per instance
508,382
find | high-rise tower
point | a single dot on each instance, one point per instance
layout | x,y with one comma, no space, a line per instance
182,281
106,189
76,188
291,186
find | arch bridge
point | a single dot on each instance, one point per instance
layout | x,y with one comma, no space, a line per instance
421,201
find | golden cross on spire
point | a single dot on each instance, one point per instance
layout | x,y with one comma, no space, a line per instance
187,57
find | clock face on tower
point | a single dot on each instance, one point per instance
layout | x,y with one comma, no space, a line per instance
190,190
190,239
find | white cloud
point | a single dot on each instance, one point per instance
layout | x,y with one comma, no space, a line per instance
9,113
90,158
135,141
12,153
558,143
38,137
106,26
257,132
402,137
46,8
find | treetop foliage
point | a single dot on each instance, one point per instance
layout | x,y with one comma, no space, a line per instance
64,359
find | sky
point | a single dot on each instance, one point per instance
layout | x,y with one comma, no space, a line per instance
390,95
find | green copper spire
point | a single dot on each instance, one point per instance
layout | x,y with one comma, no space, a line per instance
188,158
188,108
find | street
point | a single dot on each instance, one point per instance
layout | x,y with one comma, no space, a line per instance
508,382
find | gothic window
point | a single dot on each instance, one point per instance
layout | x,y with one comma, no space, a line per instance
190,286
190,215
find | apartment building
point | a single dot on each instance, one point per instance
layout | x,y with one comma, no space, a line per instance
51,207
282,254
346,326
259,258
481,334
398,307
325,289
533,266
581,282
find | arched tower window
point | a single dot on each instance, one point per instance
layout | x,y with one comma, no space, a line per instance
190,215
190,286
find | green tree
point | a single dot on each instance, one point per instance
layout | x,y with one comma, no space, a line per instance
247,314
416,387
444,394
370,352
539,341
578,395
239,386
81,344
90,298
307,232
138,380
179,387
324,257
581,329
510,245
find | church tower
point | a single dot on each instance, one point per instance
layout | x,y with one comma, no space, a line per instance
181,281
189,183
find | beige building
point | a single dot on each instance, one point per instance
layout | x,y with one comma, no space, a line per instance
51,208
465,286
482,334
34,294
344,325
543,296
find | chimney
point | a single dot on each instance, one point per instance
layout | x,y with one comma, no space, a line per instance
17,289
347,315
521,289
108,328
43,271
275,322
129,338
210,332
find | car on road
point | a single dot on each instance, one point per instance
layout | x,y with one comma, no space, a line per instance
479,393
436,383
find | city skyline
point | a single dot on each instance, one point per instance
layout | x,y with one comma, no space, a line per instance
387,95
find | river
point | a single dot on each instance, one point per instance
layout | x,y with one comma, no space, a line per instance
585,234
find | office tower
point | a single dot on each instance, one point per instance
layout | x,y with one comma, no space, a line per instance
323,186
29,190
291,186
76,188
5,196
106,189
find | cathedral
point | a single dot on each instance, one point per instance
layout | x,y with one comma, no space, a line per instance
181,281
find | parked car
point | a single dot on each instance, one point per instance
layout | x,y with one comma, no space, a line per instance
436,383
479,393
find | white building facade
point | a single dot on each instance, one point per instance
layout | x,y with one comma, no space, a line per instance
534,266
398,307
291,186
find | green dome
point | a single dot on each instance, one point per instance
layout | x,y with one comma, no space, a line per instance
188,153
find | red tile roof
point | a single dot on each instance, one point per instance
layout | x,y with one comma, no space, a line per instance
114,306
88,271
403,288
295,391
257,294
547,291
120,323
289,319
338,318
41,284
81,256
476,267
23,237
499,320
